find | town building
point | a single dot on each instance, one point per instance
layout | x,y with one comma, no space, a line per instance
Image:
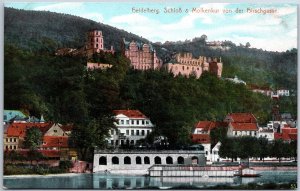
185,64
16,133
201,135
141,55
269,92
241,124
130,127
267,133
286,133
97,65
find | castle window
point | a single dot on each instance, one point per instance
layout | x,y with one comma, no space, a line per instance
96,39
187,68
96,45
182,67
197,68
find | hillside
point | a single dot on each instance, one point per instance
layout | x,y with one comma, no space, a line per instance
47,31
40,30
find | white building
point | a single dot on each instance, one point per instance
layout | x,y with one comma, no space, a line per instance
236,80
267,133
131,126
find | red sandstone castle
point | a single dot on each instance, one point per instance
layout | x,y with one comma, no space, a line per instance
143,57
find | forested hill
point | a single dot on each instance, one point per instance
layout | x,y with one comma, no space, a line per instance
47,31
44,30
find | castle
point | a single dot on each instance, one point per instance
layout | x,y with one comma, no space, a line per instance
95,43
141,55
186,65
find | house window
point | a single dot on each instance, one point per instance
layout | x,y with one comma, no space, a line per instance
143,122
148,132
112,142
10,140
121,122
235,132
206,152
127,132
127,122
15,139
143,132
255,133
137,122
137,132
132,132
55,131
131,122
6,139
147,122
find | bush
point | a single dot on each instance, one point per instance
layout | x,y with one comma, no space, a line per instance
65,164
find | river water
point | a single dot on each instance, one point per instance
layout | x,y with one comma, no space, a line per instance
110,181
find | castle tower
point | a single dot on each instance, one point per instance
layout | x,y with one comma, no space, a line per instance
95,41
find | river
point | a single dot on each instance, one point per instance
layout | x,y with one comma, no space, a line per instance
110,181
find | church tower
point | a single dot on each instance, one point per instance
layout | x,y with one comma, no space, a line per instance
95,41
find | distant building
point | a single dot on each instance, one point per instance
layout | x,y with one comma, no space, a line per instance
131,126
93,66
236,80
269,92
241,124
141,55
186,65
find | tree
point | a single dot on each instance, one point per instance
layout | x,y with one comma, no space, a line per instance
248,45
263,148
33,138
34,155
92,136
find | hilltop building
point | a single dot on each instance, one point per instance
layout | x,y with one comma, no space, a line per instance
141,55
131,126
186,65
95,43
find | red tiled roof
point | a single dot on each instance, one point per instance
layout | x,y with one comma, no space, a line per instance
130,113
201,138
55,141
19,129
208,125
244,126
287,134
67,127
241,117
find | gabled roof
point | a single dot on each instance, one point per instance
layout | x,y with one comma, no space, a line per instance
244,126
19,129
200,138
208,125
55,141
240,118
130,113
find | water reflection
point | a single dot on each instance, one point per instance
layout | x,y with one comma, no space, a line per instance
110,181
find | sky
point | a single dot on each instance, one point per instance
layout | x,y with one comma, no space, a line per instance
271,27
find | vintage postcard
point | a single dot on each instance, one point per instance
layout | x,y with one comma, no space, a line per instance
120,95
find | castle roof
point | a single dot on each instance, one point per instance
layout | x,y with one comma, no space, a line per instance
139,45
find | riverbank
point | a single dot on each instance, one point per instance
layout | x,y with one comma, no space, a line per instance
39,175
